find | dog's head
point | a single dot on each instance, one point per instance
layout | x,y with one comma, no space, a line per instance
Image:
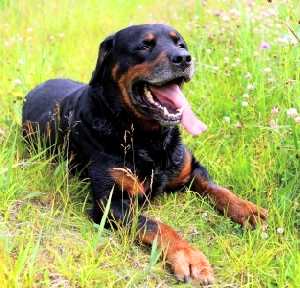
149,65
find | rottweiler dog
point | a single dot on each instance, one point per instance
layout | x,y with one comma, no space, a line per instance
122,130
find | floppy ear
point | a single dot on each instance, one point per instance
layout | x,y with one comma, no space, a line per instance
104,52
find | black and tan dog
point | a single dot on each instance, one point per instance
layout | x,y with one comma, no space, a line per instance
122,127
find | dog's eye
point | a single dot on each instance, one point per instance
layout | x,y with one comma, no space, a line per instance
181,45
147,44
178,42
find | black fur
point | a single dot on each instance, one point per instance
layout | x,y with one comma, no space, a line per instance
101,131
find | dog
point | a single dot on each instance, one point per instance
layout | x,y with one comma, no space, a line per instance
122,130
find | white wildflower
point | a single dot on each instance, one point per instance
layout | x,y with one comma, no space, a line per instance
244,103
273,124
226,119
250,87
297,119
238,125
267,70
280,230
292,112
248,75
264,235
17,82
275,110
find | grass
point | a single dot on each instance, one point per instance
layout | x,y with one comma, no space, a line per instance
242,89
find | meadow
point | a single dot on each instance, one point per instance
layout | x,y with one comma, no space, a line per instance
246,89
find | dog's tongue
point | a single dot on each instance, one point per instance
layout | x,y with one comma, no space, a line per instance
172,95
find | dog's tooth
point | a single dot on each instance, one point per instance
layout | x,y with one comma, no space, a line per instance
168,114
166,111
180,110
150,98
149,95
146,91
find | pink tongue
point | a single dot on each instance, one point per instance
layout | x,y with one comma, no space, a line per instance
171,94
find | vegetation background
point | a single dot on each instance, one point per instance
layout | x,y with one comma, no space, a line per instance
246,89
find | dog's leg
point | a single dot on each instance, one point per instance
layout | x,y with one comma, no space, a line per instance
186,262
239,210
127,181
106,173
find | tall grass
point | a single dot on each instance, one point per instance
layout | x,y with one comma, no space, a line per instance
247,77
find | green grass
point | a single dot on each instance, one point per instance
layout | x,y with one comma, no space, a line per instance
46,239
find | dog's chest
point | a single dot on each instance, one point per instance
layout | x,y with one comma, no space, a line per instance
156,161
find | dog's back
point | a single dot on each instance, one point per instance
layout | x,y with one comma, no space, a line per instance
41,105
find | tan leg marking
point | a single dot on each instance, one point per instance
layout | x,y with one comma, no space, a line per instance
185,174
187,262
127,181
239,210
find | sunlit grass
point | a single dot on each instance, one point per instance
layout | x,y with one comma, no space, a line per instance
247,77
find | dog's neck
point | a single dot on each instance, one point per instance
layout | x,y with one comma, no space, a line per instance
120,118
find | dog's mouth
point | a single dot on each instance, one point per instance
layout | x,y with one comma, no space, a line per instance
162,99
165,102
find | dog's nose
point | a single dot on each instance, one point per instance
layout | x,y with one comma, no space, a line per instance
182,59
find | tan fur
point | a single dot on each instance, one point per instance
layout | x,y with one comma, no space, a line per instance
173,35
185,173
239,210
186,261
126,80
127,181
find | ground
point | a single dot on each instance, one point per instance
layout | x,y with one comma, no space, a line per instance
246,89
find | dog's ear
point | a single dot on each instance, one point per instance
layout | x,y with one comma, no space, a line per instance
104,52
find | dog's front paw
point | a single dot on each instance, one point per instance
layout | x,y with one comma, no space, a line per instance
190,264
244,212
